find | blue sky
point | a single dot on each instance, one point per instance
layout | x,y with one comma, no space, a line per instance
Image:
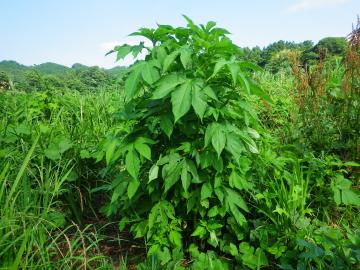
70,31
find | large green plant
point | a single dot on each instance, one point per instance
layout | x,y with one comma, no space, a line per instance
182,182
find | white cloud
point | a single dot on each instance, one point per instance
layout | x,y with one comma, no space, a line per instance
128,60
314,4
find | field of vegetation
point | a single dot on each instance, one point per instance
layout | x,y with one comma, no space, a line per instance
202,156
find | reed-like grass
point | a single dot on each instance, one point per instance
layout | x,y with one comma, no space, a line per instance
39,196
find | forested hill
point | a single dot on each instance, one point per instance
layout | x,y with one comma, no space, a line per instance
17,70
51,75
268,56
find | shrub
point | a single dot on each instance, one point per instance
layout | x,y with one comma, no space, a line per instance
181,184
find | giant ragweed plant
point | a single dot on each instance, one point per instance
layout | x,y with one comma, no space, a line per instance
181,168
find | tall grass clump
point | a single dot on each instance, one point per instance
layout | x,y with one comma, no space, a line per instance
46,176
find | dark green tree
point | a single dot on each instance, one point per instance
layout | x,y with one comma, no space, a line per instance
53,82
93,77
253,55
34,81
332,46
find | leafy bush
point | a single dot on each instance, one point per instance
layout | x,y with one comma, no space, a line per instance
188,174
194,128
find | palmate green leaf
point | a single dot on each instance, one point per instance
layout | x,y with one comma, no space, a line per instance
234,145
220,194
218,140
191,167
185,178
244,82
239,217
234,71
234,197
199,231
133,187
198,100
175,238
136,49
121,51
214,211
218,66
132,163
119,191
166,85
181,100
164,255
189,174
110,151
249,142
159,53
192,26
143,149
210,93
247,108
209,158
206,191
149,73
153,173
144,32
171,174
132,84
185,56
162,31
237,181
251,260
214,241
253,133
350,197
209,133
210,25
166,125
170,59
233,250
221,32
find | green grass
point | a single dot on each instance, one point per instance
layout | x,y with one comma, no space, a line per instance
39,191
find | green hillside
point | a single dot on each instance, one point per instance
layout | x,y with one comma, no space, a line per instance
13,69
51,68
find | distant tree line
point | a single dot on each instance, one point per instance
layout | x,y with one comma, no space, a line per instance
51,76
275,56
